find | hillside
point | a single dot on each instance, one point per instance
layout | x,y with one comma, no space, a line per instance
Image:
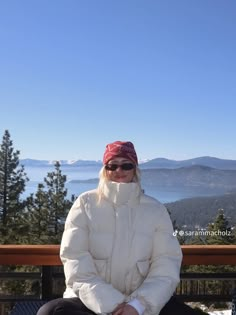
193,176
202,210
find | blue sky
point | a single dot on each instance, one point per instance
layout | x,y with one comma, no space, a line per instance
76,75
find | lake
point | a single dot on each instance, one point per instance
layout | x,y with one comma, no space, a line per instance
163,194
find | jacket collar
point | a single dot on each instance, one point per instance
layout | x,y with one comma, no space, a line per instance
122,193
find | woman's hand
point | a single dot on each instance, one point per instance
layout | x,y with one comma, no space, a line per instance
118,309
125,309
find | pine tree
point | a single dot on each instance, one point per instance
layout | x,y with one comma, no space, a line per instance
57,193
219,232
12,184
38,217
197,239
48,209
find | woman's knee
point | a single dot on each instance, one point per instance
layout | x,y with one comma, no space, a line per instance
62,306
49,307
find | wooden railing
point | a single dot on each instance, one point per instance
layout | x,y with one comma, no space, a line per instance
47,256
34,255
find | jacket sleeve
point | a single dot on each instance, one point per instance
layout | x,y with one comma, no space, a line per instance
163,276
79,268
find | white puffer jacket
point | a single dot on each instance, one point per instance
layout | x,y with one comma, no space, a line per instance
120,249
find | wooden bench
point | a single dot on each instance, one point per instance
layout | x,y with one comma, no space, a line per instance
48,256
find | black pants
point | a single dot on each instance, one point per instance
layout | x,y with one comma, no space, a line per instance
73,306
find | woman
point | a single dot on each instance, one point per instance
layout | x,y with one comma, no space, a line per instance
118,249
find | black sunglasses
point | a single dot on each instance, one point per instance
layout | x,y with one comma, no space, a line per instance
124,167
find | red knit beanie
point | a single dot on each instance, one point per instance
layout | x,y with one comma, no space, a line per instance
123,149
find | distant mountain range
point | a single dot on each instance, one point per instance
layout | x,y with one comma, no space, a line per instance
209,161
158,163
33,162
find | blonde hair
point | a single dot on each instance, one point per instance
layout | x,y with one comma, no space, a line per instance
103,179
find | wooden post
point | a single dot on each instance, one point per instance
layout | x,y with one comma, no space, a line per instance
47,284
